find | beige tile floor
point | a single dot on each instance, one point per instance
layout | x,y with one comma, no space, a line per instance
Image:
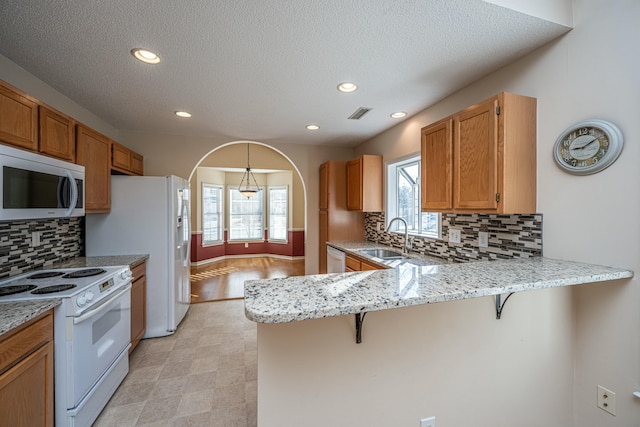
203,375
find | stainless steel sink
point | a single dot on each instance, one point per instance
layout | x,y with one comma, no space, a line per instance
382,253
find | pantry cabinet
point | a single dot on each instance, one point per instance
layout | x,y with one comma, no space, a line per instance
26,374
126,161
364,184
18,118
482,159
94,153
57,134
335,221
138,304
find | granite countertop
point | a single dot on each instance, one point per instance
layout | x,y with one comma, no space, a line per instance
14,314
324,295
101,261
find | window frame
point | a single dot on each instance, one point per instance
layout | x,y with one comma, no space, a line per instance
286,214
220,214
392,171
260,238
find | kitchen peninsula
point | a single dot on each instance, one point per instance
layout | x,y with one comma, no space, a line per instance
307,351
423,281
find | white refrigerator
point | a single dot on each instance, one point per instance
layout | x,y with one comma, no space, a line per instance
150,215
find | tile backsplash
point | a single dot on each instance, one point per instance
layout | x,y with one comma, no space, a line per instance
60,238
510,236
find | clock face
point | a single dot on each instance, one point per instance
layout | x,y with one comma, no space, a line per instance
588,147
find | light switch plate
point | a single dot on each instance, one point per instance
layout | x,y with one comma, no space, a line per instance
454,235
483,239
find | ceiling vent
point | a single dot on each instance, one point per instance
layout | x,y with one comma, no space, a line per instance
357,115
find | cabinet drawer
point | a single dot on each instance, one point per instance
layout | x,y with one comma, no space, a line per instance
352,263
25,340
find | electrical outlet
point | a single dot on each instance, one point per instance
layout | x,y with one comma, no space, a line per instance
380,226
483,239
606,400
428,422
35,239
246,245
454,235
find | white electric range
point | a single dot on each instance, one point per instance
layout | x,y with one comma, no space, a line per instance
92,334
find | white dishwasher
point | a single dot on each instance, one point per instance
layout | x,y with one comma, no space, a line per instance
335,260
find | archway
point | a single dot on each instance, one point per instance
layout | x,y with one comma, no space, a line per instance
216,177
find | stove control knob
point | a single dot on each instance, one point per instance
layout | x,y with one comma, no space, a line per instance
126,275
81,300
89,296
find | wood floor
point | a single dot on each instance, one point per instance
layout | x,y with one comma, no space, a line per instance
224,279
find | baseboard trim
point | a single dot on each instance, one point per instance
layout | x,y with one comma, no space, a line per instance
221,258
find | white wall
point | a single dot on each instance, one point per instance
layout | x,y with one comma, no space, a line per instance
423,362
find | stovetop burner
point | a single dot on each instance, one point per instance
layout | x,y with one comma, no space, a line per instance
84,273
46,275
15,289
53,289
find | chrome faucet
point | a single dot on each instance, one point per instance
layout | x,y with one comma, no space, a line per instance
405,249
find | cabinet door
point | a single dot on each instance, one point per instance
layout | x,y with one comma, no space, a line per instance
137,164
26,390
94,153
436,161
18,119
323,185
323,217
475,164
354,184
138,310
120,158
56,135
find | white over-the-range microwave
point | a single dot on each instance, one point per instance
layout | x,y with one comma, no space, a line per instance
35,186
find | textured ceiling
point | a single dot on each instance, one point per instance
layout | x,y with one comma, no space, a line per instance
262,70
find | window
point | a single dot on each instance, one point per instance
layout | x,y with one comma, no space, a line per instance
278,213
403,182
245,216
212,206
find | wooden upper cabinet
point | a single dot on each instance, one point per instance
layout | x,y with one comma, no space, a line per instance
94,153
482,159
125,161
437,161
57,137
18,118
475,147
364,184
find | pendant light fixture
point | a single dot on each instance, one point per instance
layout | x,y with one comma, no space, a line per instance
245,188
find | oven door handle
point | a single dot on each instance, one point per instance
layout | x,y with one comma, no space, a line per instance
102,306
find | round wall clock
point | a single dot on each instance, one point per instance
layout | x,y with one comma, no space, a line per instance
588,147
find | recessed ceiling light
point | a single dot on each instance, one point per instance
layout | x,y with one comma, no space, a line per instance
312,127
183,114
398,115
145,56
347,87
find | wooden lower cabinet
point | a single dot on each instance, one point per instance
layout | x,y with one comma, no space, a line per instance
26,374
138,304
357,264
